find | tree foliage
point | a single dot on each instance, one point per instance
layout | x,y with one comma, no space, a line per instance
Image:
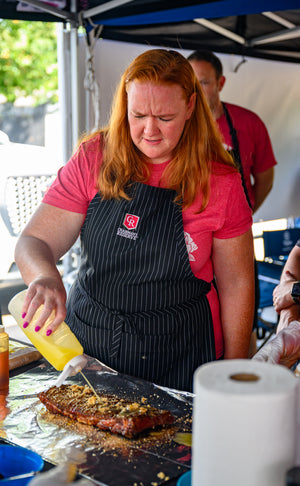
28,61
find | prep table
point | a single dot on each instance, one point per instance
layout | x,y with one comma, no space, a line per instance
107,459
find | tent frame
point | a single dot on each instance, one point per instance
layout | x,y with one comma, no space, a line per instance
89,17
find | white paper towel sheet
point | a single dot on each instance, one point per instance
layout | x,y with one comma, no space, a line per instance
244,429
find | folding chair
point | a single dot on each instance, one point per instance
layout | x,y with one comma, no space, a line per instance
19,197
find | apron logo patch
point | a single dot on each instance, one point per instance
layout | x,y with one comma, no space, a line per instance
127,234
130,221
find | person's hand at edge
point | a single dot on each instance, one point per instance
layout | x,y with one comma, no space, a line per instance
284,348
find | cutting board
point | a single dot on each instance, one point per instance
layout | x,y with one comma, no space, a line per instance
21,354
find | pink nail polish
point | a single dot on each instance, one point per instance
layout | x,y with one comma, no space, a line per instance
37,328
25,324
23,315
48,332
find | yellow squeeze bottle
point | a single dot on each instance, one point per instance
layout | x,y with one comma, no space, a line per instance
58,348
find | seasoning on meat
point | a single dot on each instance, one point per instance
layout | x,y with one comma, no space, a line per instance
106,412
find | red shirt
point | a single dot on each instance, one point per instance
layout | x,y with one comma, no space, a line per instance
254,142
227,214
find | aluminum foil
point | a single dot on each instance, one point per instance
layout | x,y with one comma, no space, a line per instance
107,459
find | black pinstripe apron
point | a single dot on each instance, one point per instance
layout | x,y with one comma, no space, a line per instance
136,305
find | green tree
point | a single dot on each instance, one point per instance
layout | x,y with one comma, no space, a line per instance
28,61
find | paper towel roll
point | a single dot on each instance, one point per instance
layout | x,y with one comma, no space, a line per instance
244,419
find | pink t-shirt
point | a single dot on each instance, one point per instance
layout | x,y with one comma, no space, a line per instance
254,142
227,214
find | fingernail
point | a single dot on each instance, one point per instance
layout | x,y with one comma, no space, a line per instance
48,332
37,328
23,315
25,324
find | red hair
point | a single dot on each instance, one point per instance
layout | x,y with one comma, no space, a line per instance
199,145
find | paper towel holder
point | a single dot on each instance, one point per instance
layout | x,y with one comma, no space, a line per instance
244,377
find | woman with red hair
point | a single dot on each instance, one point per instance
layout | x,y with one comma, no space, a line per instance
166,275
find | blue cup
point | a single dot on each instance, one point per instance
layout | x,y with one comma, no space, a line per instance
16,461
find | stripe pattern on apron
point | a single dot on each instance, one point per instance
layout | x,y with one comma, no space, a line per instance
136,305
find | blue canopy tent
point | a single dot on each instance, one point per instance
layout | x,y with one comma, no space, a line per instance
268,29
261,28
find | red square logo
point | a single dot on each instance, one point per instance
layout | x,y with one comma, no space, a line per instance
131,221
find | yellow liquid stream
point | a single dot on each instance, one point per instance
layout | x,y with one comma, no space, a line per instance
90,385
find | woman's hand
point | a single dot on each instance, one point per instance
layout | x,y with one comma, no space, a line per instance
49,292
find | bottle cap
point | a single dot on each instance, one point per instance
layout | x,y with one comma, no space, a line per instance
73,367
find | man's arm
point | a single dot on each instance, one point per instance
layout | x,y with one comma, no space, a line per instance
282,299
290,274
285,347
263,183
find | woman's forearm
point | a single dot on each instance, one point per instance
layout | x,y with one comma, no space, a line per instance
34,259
234,271
237,310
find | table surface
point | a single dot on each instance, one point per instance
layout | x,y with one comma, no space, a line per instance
48,465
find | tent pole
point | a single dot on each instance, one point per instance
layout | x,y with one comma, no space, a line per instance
70,106
74,78
64,81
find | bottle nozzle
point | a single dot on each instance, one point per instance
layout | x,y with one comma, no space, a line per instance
73,367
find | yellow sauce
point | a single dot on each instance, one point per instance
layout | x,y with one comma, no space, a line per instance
58,348
89,384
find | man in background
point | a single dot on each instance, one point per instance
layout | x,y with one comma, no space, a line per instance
244,135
